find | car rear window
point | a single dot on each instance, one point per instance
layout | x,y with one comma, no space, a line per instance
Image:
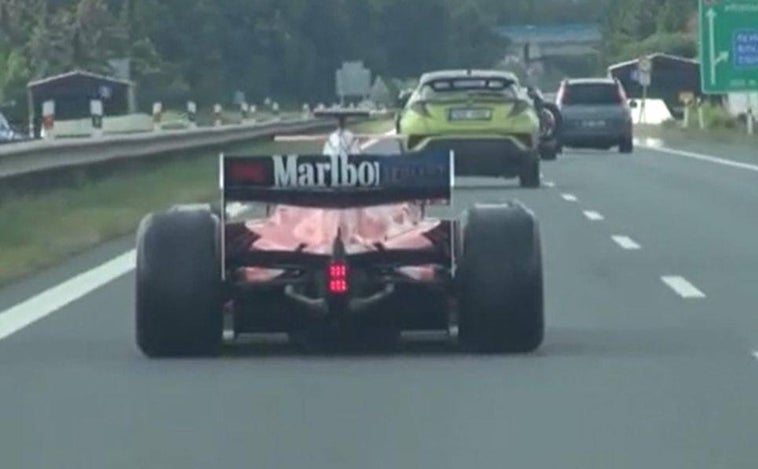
441,89
595,93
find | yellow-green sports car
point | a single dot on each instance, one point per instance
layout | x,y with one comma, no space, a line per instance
485,116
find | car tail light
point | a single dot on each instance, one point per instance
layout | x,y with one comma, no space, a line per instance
419,107
562,95
337,277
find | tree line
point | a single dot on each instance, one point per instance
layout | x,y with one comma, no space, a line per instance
289,49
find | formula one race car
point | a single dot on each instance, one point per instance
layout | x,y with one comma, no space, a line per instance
485,116
343,250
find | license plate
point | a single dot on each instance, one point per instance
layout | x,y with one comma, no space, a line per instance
470,114
593,124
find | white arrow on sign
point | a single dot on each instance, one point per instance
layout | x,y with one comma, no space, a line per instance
723,55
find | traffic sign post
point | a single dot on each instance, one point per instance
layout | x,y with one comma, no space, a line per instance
750,120
686,98
644,76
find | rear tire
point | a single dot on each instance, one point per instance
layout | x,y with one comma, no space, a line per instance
549,153
530,174
555,110
626,145
179,290
500,281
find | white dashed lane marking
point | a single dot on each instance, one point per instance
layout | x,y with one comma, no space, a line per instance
593,216
569,197
682,286
625,242
550,184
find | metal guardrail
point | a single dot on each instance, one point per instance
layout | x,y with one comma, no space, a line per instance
26,158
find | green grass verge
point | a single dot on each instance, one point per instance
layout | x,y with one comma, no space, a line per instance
673,135
39,230
720,127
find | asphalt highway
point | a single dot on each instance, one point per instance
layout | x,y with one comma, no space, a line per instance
650,358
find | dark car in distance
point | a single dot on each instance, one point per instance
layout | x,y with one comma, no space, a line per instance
595,114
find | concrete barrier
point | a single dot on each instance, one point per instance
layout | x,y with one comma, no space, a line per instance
25,158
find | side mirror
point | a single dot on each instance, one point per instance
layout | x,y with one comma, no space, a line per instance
633,104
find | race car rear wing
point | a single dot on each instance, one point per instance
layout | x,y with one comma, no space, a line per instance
338,181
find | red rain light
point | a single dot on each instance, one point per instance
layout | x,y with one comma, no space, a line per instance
338,287
337,273
248,172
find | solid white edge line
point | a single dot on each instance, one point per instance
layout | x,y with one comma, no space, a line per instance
682,286
43,304
625,242
37,307
550,184
569,197
702,157
593,216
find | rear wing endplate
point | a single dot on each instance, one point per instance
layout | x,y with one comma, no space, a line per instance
338,181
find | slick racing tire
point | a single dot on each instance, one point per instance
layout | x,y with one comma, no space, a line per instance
530,173
626,145
178,285
500,281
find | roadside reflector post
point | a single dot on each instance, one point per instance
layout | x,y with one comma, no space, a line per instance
251,112
217,121
96,112
275,108
687,98
750,119
244,110
192,114
157,115
306,111
48,120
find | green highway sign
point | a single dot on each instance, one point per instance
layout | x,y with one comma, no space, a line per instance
729,45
